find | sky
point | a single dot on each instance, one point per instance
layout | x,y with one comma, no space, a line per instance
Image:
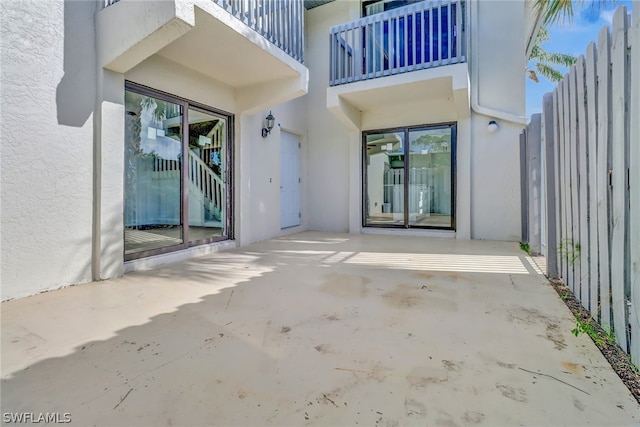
573,38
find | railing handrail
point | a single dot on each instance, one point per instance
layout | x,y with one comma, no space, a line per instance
393,13
204,166
420,35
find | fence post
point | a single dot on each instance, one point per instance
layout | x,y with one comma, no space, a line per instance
534,163
524,194
550,191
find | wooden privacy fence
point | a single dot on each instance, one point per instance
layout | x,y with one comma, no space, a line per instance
582,170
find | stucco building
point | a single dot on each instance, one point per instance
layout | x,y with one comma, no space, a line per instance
134,133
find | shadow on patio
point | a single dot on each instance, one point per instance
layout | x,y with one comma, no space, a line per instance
315,328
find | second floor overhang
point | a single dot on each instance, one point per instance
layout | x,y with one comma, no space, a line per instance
440,94
247,45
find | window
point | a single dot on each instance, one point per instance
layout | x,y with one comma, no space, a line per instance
409,177
177,160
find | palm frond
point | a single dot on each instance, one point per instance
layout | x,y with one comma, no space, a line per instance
555,11
564,59
549,72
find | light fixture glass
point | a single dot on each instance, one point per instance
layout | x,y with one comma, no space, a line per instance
269,122
493,126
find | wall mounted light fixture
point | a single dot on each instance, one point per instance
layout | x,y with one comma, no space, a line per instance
493,126
269,121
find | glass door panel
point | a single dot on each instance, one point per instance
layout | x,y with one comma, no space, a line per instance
153,165
206,175
385,179
429,177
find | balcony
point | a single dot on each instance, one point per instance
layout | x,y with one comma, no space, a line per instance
400,67
254,46
280,21
423,35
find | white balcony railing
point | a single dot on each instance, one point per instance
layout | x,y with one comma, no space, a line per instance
421,35
279,21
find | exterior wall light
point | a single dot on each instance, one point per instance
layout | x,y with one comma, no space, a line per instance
269,122
493,126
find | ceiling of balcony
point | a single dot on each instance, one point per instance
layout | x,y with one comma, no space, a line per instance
229,53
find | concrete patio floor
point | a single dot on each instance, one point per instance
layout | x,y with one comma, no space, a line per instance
315,328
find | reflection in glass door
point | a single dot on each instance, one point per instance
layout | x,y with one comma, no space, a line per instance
153,157
430,177
176,164
410,185
207,191
385,178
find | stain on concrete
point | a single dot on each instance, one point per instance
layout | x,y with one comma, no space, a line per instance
285,329
506,365
572,367
554,334
422,376
526,315
326,399
579,405
403,296
446,422
452,366
332,318
408,296
473,417
517,395
413,408
345,285
322,348
451,276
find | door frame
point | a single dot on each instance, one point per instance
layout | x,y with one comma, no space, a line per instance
299,183
186,104
406,129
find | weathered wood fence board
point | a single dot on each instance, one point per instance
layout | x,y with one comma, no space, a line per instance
590,149
592,131
581,163
619,171
566,179
634,187
551,162
603,166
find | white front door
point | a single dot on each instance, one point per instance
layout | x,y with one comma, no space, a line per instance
289,180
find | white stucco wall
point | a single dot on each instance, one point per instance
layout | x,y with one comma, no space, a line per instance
48,100
488,193
498,56
260,206
329,140
62,200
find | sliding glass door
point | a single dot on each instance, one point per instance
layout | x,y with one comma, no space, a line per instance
169,206
409,177
207,166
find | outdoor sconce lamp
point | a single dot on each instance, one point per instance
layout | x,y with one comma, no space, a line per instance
269,122
493,126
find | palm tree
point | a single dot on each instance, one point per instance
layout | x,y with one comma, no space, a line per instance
554,11
545,61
